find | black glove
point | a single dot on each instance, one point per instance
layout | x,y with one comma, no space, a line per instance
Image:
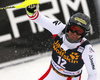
31,9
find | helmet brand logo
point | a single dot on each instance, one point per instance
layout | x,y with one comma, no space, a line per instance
80,20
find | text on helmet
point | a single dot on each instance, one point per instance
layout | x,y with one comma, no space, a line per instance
80,20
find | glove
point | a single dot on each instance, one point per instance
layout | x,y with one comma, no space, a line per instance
31,9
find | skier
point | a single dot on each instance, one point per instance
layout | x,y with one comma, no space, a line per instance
71,50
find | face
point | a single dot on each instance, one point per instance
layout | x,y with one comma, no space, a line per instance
73,36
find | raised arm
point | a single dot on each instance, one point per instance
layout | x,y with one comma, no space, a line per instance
54,26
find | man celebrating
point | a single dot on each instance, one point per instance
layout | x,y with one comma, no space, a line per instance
71,50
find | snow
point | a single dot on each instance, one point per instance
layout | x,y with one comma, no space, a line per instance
33,69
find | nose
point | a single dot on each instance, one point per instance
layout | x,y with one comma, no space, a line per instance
74,33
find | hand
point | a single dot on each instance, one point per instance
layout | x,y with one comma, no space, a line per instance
31,9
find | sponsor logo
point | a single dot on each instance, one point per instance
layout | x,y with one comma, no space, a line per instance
80,20
72,58
91,50
49,12
60,69
92,63
80,49
56,22
63,71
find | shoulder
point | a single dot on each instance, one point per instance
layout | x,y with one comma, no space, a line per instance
87,46
88,50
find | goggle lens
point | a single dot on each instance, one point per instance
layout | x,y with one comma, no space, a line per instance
77,29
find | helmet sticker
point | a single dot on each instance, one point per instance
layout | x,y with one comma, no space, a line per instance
80,20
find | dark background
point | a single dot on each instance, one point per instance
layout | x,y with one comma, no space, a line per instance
35,43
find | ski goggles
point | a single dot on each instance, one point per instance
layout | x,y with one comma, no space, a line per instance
77,29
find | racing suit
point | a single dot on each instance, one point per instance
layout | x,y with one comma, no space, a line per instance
67,58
